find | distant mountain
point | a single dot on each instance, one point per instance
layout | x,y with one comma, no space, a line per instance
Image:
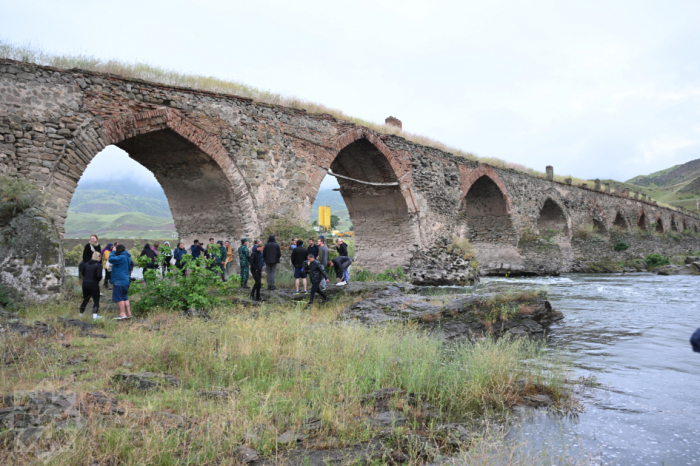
677,186
107,209
124,186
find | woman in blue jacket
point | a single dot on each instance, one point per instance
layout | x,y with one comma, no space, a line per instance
121,279
178,254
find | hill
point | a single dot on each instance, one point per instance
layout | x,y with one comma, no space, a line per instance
338,207
678,186
107,209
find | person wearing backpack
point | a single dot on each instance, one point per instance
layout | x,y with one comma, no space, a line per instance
91,272
317,274
121,279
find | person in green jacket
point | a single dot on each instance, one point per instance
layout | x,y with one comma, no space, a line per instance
220,258
244,258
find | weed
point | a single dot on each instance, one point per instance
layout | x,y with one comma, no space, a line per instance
656,260
621,246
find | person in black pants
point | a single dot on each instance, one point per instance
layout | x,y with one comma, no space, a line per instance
256,266
316,274
92,274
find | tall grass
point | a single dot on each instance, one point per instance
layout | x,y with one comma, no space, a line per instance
283,364
152,73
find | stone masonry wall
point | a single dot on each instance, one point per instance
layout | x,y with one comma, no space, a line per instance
230,166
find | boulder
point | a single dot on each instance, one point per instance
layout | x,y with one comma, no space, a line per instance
673,269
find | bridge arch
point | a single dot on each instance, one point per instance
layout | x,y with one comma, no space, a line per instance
376,188
674,225
642,220
599,221
486,207
552,217
620,221
685,224
660,227
205,190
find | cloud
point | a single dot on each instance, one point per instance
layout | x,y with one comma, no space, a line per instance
113,163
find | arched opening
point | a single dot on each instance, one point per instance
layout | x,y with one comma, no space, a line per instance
384,232
643,222
620,221
599,226
552,220
659,225
674,227
486,211
685,224
200,197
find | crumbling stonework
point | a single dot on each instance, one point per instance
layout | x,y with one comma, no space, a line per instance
230,166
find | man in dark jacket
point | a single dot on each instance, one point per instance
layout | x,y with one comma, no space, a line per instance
298,258
271,256
92,274
244,259
179,253
316,274
341,265
256,266
312,248
196,249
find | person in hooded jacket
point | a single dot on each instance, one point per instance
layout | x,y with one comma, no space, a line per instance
317,274
92,275
105,258
256,268
341,264
90,248
167,256
121,279
271,254
179,253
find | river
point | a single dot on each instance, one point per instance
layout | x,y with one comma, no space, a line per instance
632,333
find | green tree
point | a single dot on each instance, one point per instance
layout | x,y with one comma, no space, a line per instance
335,220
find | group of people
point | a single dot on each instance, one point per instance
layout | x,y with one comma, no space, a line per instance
117,265
115,261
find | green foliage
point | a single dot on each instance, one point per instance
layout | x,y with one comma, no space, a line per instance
335,220
461,247
389,275
656,260
165,250
73,256
181,291
285,229
621,246
529,237
5,300
16,196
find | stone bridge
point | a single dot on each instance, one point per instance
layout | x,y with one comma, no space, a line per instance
230,166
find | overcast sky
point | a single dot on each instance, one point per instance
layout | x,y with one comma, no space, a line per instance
607,89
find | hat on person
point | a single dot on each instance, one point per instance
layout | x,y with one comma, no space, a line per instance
244,240
220,243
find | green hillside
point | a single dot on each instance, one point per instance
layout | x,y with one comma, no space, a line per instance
117,214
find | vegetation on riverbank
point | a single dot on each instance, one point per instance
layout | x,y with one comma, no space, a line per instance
282,369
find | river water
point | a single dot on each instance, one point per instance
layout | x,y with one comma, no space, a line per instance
632,333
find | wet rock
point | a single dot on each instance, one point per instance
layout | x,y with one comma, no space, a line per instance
539,400
145,381
691,259
246,455
673,269
77,323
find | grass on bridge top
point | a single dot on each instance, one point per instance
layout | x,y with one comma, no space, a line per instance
155,74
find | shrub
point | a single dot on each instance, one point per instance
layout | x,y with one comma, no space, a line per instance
17,195
656,260
73,256
183,289
285,229
5,300
461,247
528,237
621,246
389,275
585,231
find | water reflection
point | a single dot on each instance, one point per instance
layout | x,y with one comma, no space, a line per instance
631,332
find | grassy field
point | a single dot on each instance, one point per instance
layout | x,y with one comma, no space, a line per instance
127,225
282,366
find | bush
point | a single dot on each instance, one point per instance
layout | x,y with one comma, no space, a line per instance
183,289
17,195
285,229
621,246
585,231
656,260
5,300
73,256
461,247
389,275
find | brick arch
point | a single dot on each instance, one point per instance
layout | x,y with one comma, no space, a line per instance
643,219
129,126
401,165
469,176
674,224
598,218
619,219
660,226
552,214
